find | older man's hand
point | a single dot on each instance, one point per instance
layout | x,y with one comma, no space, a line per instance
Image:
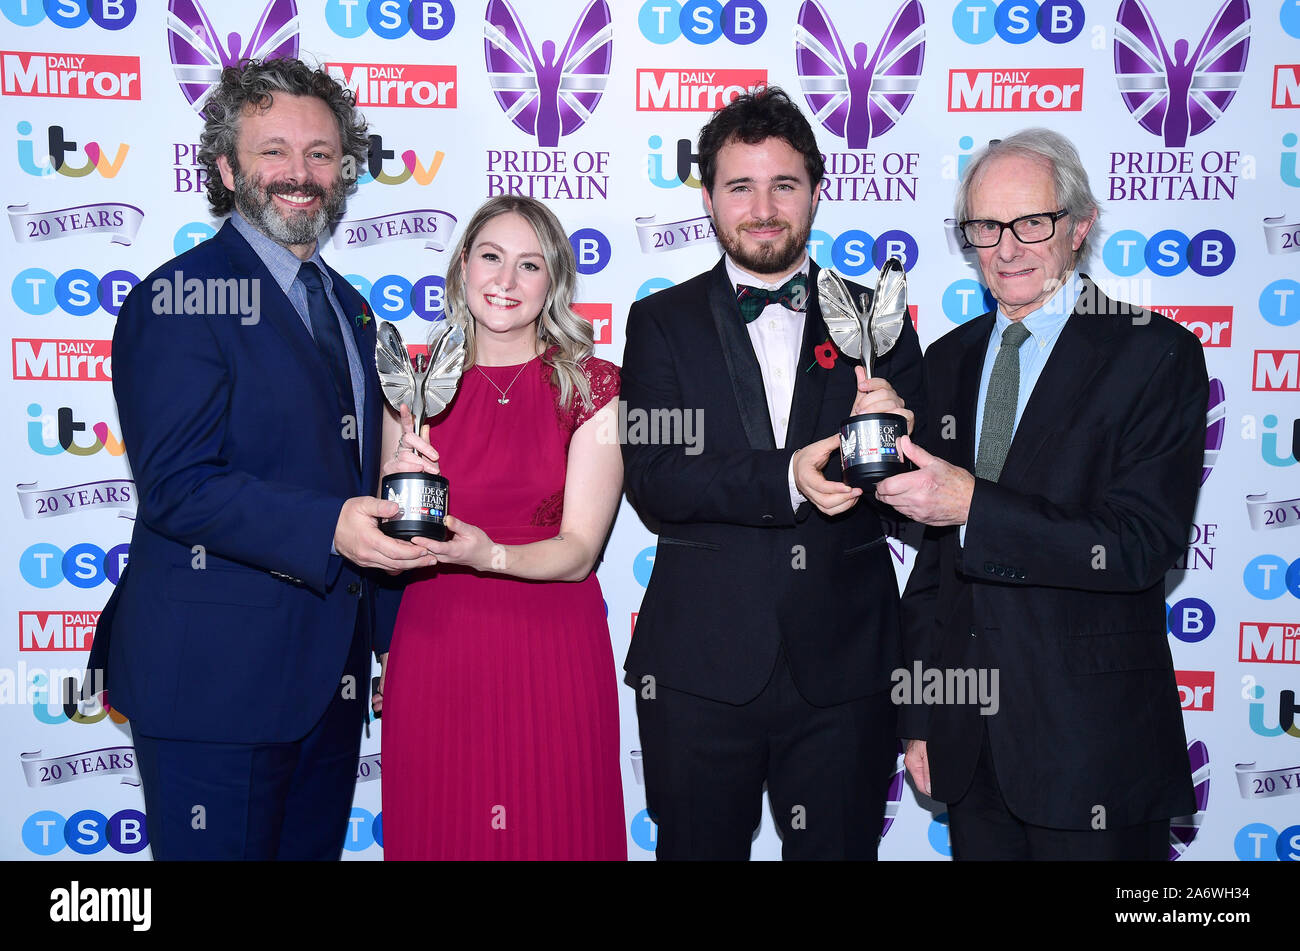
937,493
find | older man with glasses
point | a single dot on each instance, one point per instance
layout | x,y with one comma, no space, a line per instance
1067,433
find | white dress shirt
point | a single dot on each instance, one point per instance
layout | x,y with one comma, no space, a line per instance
777,338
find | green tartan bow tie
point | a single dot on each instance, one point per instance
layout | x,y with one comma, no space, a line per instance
793,294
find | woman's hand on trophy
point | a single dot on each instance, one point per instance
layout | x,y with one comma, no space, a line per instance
414,453
468,545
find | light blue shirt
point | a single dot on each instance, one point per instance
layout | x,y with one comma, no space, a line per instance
1044,326
283,265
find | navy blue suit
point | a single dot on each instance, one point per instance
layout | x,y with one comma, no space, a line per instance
233,622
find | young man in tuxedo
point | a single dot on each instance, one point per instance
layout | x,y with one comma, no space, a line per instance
237,641
769,627
1059,480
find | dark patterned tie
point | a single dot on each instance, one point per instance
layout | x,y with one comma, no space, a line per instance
793,294
329,339
1000,404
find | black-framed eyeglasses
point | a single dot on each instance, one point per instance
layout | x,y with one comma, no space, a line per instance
1028,229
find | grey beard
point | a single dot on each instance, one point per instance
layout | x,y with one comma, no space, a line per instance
258,207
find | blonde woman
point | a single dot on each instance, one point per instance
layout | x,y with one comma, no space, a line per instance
500,713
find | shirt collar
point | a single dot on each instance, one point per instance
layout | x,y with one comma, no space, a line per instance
737,276
1046,322
279,260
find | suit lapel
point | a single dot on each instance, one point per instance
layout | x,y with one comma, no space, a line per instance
809,385
363,333
742,365
1075,360
278,311
968,390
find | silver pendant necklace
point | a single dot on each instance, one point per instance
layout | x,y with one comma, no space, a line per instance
502,399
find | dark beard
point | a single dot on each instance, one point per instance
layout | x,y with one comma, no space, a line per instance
773,259
255,203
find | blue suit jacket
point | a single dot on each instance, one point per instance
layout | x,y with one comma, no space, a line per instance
232,622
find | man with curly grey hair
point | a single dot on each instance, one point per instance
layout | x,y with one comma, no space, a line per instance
237,641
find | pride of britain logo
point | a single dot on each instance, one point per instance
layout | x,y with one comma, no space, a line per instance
1180,95
854,97
548,96
198,54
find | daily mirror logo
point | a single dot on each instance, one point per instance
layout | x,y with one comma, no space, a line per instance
551,95
859,95
1179,93
70,75
199,52
398,85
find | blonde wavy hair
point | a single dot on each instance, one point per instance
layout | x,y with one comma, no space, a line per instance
566,338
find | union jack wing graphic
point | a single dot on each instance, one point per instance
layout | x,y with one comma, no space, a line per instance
1181,95
1183,830
199,55
854,97
548,96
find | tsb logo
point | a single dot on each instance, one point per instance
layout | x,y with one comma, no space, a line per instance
1258,842
77,292
1191,620
855,252
702,21
70,14
391,19
84,566
1017,21
1169,252
1268,577
364,830
85,832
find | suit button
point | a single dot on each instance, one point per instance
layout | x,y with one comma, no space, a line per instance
972,630
354,588
988,567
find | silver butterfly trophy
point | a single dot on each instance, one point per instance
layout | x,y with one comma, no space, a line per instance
425,389
868,442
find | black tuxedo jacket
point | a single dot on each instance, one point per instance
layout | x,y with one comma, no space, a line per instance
737,571
1060,584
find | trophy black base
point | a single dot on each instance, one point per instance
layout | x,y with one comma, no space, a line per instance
869,448
423,498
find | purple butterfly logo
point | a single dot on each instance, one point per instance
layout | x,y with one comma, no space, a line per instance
894,797
854,97
1216,418
199,54
1183,829
1184,94
548,96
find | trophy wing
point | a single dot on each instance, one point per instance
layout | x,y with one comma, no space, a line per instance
396,375
839,313
446,361
889,306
